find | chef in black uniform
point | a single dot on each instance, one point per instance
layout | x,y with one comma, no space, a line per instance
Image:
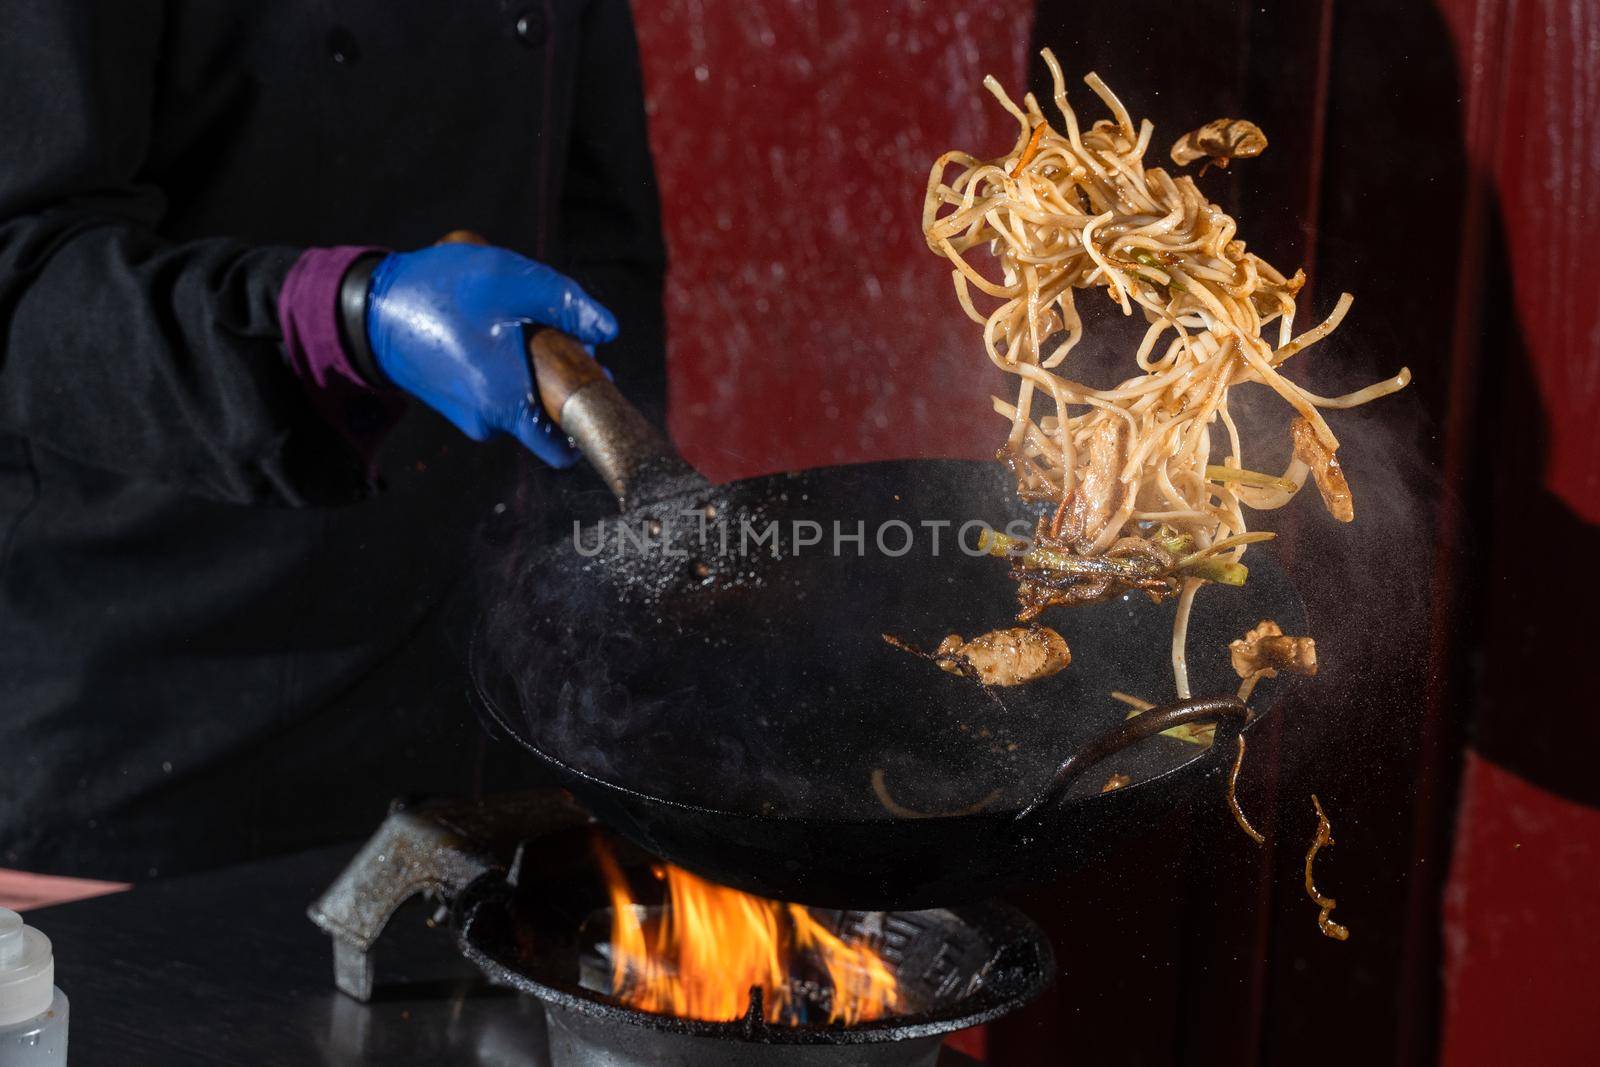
253,425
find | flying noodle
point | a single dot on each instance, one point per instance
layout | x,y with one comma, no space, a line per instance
1233,798
1075,208
1323,838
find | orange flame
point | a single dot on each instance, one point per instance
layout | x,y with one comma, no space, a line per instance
698,957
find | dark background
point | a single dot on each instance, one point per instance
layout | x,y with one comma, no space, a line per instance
1437,160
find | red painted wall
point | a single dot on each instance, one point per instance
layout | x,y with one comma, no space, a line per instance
1546,167
809,324
1521,943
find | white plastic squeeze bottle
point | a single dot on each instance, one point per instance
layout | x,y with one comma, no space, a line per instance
33,1012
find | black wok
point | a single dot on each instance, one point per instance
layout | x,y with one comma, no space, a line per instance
740,714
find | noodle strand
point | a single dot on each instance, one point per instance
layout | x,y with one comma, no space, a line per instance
1076,208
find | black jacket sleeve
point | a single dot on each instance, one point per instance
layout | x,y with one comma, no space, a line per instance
153,359
610,210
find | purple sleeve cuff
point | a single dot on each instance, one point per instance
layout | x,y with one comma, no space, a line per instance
308,312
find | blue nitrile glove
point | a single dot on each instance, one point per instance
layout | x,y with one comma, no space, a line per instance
445,324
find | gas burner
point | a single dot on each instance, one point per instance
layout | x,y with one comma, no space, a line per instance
518,879
955,967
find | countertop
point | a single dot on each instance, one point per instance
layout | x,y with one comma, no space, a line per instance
225,968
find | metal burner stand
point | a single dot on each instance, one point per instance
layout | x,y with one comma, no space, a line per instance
437,849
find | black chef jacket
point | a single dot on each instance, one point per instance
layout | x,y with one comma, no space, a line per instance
217,639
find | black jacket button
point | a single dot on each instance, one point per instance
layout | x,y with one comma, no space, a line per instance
342,46
530,27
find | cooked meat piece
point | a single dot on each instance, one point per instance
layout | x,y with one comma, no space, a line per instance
1037,590
1066,578
1098,493
1043,588
1265,651
1015,656
1223,140
1325,467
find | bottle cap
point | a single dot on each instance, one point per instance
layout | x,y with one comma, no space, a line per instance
27,970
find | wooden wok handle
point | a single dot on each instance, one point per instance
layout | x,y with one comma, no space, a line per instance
624,449
1129,732
561,368
636,462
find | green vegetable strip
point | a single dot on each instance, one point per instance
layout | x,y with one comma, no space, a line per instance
1196,733
1243,477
